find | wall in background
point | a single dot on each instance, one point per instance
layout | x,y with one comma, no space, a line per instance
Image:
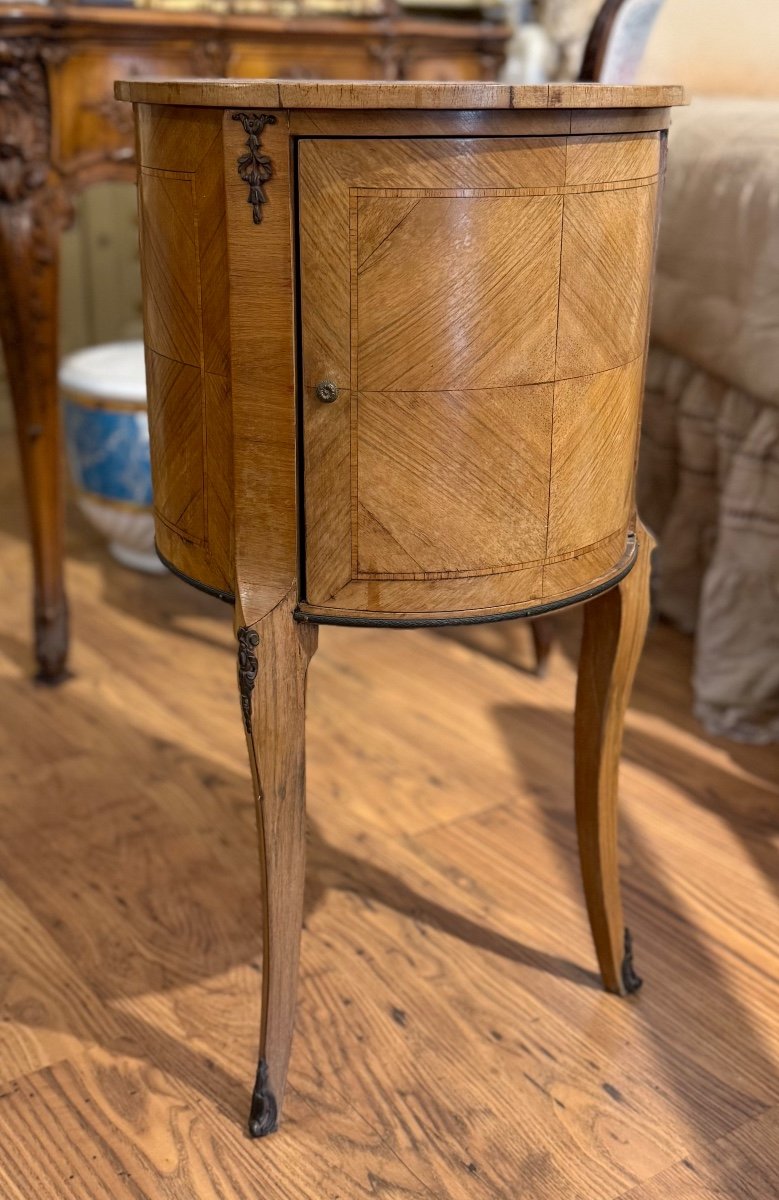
716,47
100,291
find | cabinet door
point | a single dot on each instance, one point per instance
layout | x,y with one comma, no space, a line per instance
431,299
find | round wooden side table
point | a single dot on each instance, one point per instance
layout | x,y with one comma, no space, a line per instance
395,339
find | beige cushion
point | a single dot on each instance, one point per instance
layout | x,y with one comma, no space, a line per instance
717,288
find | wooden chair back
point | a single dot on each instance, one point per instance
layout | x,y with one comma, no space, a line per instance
617,40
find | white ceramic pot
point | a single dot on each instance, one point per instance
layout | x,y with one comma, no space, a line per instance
103,393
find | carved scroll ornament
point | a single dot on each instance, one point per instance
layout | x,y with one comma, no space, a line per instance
248,641
254,167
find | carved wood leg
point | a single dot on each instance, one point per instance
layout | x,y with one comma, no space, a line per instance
614,629
273,657
542,629
29,251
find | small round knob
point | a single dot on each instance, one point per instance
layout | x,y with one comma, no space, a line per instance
326,391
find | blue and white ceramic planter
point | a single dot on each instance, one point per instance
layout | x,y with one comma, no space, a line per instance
107,437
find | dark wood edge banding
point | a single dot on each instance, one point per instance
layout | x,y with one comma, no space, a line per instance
535,610
228,597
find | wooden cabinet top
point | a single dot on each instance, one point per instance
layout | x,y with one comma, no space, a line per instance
350,94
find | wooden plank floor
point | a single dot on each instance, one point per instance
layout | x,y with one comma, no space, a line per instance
452,1040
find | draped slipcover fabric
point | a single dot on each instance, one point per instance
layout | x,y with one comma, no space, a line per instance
708,481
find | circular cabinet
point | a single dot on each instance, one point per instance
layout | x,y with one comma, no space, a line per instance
395,340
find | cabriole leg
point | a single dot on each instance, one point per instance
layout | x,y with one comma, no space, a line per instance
29,240
542,630
614,628
273,657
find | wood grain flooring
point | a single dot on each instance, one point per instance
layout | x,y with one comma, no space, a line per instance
451,1040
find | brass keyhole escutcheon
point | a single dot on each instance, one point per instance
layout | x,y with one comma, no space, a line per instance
326,391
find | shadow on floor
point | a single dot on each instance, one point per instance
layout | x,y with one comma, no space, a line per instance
138,858
688,1004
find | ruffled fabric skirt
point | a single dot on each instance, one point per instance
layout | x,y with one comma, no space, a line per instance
708,487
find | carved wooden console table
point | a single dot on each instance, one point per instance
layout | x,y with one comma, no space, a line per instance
60,129
395,351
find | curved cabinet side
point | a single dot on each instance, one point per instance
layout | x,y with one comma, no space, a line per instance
184,264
